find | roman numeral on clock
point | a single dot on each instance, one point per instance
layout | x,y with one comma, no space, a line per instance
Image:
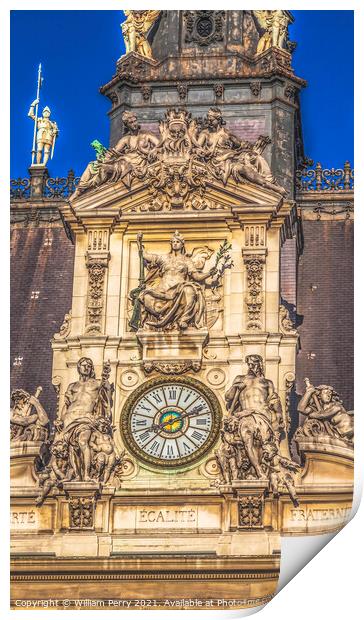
196,435
140,422
170,451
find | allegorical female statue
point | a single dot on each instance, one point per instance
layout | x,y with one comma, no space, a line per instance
171,296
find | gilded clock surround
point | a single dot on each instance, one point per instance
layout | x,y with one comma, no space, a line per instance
189,382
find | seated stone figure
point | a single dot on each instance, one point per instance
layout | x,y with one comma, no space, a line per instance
326,414
128,157
28,419
172,297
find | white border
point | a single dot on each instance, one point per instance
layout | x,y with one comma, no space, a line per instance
330,586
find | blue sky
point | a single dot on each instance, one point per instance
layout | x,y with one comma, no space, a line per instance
79,56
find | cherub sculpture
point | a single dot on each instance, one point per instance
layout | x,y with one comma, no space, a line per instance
279,471
103,450
56,472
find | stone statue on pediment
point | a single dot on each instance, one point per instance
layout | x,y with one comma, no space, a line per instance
186,154
128,159
230,156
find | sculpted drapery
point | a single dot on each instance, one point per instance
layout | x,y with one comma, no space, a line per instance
198,147
173,297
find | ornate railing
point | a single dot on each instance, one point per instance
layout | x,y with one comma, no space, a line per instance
320,179
20,188
53,187
61,187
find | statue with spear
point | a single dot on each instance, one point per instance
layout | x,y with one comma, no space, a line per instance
45,130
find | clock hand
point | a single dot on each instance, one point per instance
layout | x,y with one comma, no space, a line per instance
195,411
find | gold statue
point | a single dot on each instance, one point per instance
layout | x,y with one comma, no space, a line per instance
135,30
274,25
45,130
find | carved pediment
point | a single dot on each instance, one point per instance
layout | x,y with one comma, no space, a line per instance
117,200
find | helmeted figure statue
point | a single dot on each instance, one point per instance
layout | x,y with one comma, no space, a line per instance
47,132
135,30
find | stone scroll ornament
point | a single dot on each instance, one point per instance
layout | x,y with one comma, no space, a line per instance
178,163
326,417
175,292
82,446
28,419
251,434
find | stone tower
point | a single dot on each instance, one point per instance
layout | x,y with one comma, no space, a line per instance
209,58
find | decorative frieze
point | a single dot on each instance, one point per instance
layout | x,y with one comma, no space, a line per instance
254,236
172,368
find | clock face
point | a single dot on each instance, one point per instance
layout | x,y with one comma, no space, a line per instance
171,423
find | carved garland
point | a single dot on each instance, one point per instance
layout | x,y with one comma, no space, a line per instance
96,266
254,299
